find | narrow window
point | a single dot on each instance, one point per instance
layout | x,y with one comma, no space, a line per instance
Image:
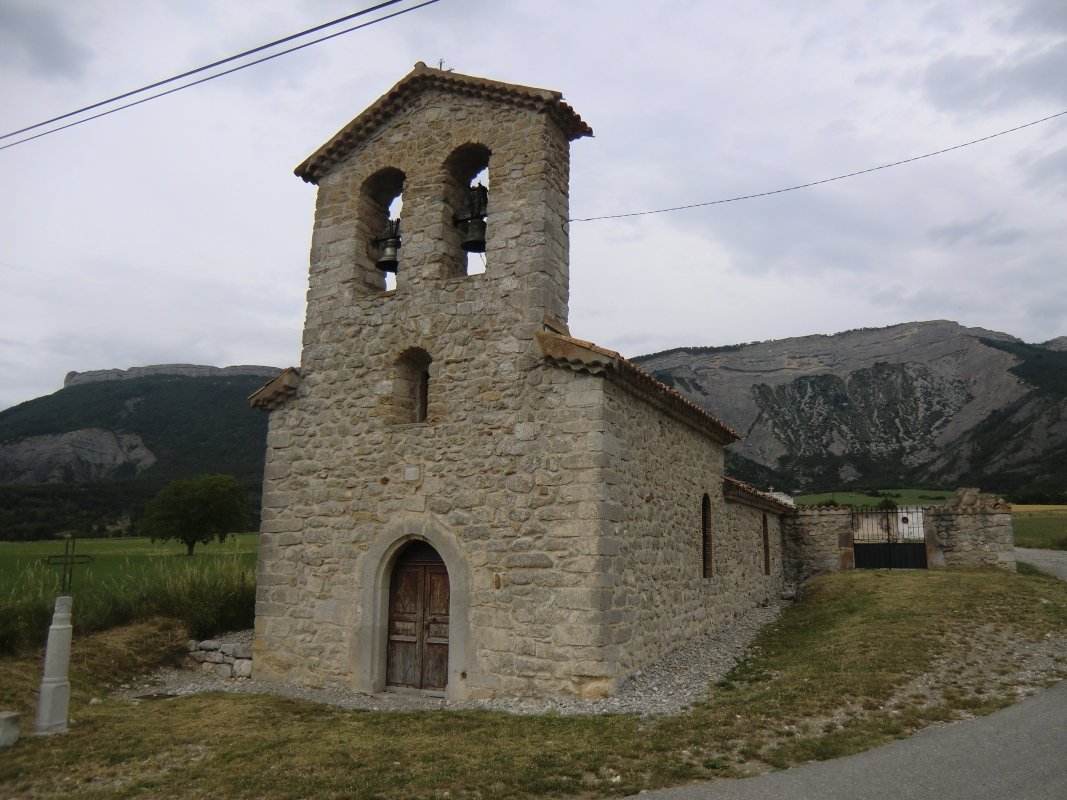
708,549
766,548
410,397
422,394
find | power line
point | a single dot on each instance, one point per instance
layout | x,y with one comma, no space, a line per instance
824,180
219,74
219,63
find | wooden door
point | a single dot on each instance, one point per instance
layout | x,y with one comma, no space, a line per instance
417,656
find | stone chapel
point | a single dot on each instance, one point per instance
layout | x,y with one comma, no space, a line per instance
461,499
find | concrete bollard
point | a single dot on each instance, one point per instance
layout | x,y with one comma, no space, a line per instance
54,697
9,728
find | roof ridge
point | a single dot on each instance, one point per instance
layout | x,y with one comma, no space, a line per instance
423,76
582,356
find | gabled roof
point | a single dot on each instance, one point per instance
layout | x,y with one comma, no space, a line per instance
570,353
735,491
421,79
276,391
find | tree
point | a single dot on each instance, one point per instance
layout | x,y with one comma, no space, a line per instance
195,510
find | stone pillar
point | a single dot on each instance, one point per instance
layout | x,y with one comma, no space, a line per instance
54,696
817,539
972,528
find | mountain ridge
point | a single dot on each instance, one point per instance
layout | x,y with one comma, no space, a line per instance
871,404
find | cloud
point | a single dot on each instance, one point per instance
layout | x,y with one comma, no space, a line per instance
969,83
986,231
1049,169
1042,15
33,38
175,231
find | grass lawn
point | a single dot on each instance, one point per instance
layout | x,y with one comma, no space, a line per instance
1043,527
902,497
830,678
114,558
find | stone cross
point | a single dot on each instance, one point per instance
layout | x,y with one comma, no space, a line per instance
67,561
54,697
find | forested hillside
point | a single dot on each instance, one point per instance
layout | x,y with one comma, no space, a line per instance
88,457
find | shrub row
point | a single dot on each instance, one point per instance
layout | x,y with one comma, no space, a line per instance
210,595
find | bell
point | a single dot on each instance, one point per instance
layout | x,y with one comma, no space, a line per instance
389,242
474,240
475,209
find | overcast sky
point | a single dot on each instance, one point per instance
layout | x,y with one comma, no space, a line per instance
176,231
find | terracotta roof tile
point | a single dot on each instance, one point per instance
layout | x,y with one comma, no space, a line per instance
422,78
276,391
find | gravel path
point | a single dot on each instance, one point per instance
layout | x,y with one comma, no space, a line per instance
1054,562
667,686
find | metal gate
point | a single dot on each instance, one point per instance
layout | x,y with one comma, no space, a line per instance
889,538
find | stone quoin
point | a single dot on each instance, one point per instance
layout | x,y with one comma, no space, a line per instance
460,498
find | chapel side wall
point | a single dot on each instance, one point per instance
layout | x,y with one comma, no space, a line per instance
508,463
817,539
744,560
660,471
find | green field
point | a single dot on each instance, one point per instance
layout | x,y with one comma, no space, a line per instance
902,497
120,558
128,580
1043,527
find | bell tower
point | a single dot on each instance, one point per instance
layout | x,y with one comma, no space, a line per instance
424,141
417,404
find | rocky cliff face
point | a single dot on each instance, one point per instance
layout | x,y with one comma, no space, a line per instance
886,403
89,456
188,370
91,433
85,455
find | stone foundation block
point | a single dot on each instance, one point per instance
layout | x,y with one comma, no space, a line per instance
9,728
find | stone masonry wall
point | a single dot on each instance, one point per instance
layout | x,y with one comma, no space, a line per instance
971,529
658,472
505,462
817,539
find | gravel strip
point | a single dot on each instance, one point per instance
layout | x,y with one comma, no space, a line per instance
1054,562
667,686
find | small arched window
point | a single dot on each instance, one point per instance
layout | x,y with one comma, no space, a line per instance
707,539
766,547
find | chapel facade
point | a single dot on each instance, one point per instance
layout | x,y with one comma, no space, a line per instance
459,497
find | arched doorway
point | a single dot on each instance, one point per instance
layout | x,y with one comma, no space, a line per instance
417,653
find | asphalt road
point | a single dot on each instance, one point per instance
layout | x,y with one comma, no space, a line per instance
1054,562
1019,753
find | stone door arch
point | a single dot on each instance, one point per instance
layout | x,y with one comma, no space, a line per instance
369,656
417,653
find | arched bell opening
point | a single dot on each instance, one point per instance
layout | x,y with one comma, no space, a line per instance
382,201
467,207
419,595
